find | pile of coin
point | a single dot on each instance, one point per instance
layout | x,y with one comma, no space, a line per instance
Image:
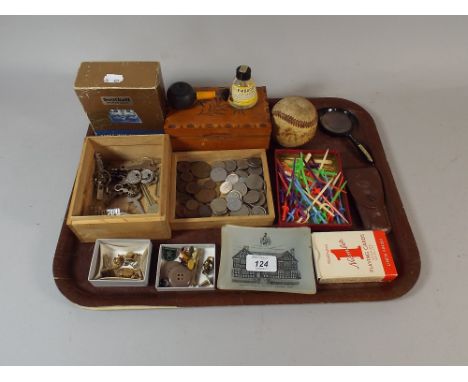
230,187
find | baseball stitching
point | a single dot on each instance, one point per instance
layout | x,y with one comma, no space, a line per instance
293,121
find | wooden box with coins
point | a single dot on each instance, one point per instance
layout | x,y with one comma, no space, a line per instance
186,267
213,188
121,188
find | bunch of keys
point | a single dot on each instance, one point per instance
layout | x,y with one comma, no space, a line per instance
102,177
135,186
131,181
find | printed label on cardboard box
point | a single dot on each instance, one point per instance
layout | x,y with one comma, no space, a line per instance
116,100
113,78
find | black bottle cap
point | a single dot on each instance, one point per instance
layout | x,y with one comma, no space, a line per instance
243,73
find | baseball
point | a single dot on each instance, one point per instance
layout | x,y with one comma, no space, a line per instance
294,121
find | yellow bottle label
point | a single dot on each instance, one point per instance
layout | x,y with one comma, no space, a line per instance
244,96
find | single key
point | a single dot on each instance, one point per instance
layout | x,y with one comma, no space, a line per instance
147,176
153,207
133,177
135,200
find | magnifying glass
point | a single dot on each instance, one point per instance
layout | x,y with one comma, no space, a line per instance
340,122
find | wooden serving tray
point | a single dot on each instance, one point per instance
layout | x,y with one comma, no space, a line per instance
72,258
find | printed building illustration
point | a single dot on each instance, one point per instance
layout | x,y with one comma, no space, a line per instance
286,271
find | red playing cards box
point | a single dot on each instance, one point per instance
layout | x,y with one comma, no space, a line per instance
352,256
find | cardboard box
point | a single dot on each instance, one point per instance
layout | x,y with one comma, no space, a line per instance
352,256
120,246
209,250
213,124
122,97
88,228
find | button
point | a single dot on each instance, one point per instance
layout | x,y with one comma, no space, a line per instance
166,268
179,276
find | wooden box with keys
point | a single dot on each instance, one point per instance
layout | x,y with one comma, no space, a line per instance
213,188
121,188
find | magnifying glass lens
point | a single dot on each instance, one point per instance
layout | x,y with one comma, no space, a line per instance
336,122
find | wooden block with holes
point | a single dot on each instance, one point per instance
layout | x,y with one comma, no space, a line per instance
89,227
210,157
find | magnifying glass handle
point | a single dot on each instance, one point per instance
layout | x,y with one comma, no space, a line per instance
361,148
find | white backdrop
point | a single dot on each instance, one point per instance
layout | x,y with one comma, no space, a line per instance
409,73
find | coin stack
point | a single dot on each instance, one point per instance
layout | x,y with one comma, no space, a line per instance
230,187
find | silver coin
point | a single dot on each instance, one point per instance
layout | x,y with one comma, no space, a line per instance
243,211
254,162
232,178
231,165
218,164
254,182
257,210
251,197
242,179
225,188
234,194
219,206
234,204
242,164
261,201
256,170
242,173
218,174
241,187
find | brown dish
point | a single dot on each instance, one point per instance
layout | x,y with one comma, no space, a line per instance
72,258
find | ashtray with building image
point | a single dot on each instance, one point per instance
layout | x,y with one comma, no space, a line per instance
273,267
266,259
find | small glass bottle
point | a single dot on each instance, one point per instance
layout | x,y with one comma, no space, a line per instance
243,90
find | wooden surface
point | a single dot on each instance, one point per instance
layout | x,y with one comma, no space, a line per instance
72,259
